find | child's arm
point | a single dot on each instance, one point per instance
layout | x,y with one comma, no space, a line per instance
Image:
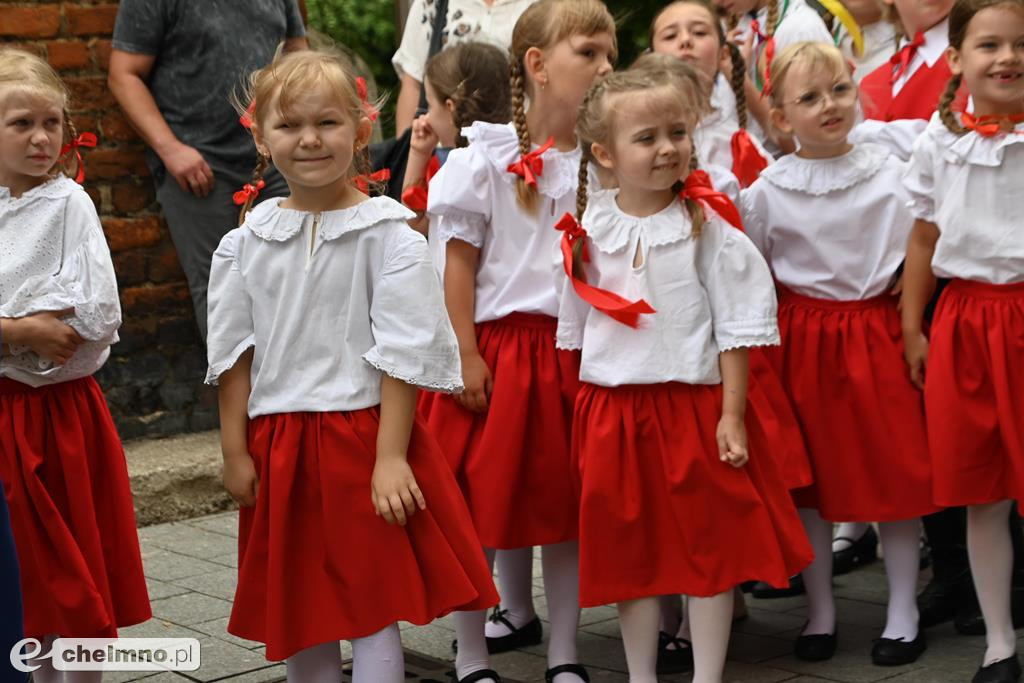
732,432
422,144
918,286
394,490
234,386
461,260
44,333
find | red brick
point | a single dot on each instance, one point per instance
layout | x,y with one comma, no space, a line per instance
101,54
94,195
142,300
30,22
88,93
164,265
84,122
90,20
116,164
115,126
68,54
129,233
132,198
130,267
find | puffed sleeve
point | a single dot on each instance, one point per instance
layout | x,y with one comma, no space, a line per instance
572,310
919,179
739,286
753,219
460,193
230,327
411,57
413,337
898,136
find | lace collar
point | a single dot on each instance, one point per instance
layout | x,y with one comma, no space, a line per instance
499,144
610,229
270,222
971,148
58,187
822,176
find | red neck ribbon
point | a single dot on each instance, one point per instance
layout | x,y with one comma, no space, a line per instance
901,60
531,165
611,304
415,196
747,162
990,126
698,187
363,180
248,191
83,140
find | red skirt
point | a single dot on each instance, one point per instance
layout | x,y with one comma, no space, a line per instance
974,393
512,461
863,420
316,564
66,482
771,409
660,513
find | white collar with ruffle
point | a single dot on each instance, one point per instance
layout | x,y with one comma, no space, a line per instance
272,223
611,229
971,148
58,187
822,176
500,145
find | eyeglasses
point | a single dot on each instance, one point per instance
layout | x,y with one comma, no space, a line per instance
843,94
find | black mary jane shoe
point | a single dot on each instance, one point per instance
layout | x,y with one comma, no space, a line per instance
674,660
530,633
816,647
576,669
1004,671
481,675
897,651
861,551
766,591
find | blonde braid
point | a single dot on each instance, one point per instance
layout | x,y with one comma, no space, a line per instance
946,106
738,83
581,207
257,175
772,19
693,207
69,165
526,195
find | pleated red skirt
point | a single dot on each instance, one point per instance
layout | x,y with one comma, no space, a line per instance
316,564
66,482
660,513
512,461
974,393
770,407
863,420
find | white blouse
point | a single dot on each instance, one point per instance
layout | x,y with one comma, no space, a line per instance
475,196
711,293
936,40
831,228
713,135
971,187
879,45
329,302
53,256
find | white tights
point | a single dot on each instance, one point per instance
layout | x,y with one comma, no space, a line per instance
515,584
991,555
375,659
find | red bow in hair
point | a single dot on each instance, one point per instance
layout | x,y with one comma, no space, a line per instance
246,118
248,191
371,111
901,60
698,187
611,304
990,126
769,55
83,140
415,196
531,165
747,162
363,180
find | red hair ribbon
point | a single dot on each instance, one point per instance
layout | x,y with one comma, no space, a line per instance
415,196
698,187
371,111
83,140
747,162
246,118
901,60
769,55
363,180
248,191
611,304
531,165
990,126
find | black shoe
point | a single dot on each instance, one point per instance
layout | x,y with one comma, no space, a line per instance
530,633
897,652
941,599
674,660
766,591
1004,671
816,647
550,674
481,675
860,552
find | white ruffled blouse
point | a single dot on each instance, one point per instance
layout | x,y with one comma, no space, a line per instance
711,293
329,302
831,228
971,187
53,256
474,195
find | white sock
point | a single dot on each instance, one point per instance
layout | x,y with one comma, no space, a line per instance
821,607
469,632
515,583
710,622
317,664
991,554
846,530
379,658
638,622
562,587
901,546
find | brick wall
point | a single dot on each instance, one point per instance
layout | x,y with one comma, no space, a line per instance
153,380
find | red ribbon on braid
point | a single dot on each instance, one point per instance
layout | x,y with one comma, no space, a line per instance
990,126
248,191
83,140
363,180
371,111
246,118
747,162
698,187
531,165
611,304
415,196
769,55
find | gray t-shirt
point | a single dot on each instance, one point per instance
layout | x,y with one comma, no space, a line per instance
204,50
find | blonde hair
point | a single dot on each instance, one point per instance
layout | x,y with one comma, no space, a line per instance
815,55
542,25
26,73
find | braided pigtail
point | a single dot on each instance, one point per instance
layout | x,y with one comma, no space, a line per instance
581,208
693,207
946,106
738,81
526,195
773,19
256,183
71,164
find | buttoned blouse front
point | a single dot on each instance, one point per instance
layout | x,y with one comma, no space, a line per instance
971,187
329,302
711,293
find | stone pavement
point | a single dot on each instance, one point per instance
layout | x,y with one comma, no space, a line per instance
190,567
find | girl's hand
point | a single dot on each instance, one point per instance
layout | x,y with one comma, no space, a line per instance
732,440
424,139
745,44
915,350
45,334
240,478
394,491
479,382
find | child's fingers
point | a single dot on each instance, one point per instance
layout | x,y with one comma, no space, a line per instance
421,501
397,508
408,502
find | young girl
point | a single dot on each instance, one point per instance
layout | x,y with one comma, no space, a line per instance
964,175
507,436
61,461
660,371
325,314
829,223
